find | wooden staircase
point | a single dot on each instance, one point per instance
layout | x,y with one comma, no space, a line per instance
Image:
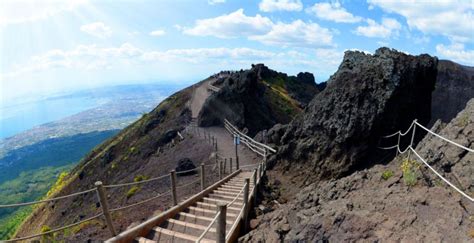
189,223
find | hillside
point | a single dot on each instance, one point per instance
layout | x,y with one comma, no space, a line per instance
147,148
258,98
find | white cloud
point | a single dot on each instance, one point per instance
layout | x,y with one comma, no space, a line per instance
157,33
388,28
97,29
333,12
456,52
212,2
19,11
453,19
230,26
297,33
280,5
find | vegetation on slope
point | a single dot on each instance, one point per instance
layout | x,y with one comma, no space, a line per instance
29,186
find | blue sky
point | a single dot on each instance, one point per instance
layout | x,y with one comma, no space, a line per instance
52,46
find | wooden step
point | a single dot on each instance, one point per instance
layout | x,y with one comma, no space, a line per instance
235,187
215,200
144,240
188,228
230,198
197,219
214,207
228,189
227,193
207,212
165,235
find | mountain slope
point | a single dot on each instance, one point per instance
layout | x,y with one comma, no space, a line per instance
258,98
375,204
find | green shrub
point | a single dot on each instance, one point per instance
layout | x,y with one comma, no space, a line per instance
387,174
410,171
140,178
132,191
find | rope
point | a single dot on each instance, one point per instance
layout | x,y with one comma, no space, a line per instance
445,139
186,171
52,231
442,178
138,203
190,183
401,133
245,166
208,228
46,200
135,182
388,148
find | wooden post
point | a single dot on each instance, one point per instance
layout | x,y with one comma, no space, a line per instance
230,165
225,164
203,176
236,154
173,187
102,195
214,143
412,139
254,175
246,202
220,170
398,145
221,224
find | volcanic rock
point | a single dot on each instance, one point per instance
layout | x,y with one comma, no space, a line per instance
369,96
185,164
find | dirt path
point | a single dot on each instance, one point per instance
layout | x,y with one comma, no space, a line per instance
225,147
199,97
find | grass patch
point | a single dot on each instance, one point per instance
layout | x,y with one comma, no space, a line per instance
387,174
132,191
140,178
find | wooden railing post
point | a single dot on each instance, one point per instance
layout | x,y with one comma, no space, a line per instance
173,187
203,176
254,175
221,224
246,202
230,165
225,165
236,154
102,195
220,170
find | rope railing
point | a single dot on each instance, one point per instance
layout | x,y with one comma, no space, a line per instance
214,220
47,200
445,139
136,182
411,149
53,230
188,184
141,202
186,171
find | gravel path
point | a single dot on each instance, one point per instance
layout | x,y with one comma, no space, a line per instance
225,144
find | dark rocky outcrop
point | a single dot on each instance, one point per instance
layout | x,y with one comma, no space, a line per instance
184,165
369,206
258,98
454,163
454,87
369,96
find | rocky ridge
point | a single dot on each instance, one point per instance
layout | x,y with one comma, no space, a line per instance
375,204
258,98
369,96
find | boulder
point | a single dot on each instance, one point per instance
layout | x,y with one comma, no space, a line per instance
185,164
369,96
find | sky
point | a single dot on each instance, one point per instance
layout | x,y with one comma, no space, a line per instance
53,46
